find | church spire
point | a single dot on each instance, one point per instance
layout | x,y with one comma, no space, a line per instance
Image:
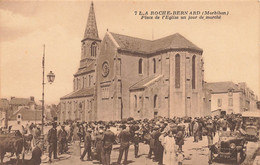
91,31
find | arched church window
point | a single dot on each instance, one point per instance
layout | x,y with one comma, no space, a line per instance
135,101
154,65
74,83
80,106
140,66
193,72
83,82
93,49
155,101
77,83
177,71
90,105
89,79
83,48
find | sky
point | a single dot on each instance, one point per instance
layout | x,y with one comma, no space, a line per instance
230,44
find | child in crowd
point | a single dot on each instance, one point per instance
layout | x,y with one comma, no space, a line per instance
180,156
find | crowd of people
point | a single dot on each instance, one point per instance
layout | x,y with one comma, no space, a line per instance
164,136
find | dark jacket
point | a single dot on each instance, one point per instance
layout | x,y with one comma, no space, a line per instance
62,135
156,136
99,142
108,139
36,156
136,139
87,140
179,138
152,140
52,135
124,137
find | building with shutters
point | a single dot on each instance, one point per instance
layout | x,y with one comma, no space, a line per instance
231,97
123,76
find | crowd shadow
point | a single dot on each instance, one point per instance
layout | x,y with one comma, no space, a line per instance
141,155
14,162
128,162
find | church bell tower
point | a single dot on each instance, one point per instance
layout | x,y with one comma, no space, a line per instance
91,41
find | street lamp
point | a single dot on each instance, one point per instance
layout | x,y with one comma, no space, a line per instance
50,79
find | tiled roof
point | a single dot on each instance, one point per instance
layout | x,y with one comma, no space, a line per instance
89,68
133,44
27,114
218,87
79,93
20,101
145,82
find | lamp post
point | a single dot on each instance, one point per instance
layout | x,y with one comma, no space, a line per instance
50,79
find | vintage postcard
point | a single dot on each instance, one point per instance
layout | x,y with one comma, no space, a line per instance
130,82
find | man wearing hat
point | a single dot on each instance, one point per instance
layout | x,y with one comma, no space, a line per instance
180,137
151,143
99,144
62,137
108,140
195,131
136,140
52,139
124,138
210,134
156,134
87,145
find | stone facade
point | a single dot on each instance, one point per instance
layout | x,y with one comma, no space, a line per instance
231,97
135,77
145,84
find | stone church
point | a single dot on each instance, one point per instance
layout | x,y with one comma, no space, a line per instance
122,76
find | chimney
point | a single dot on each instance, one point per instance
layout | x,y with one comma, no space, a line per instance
32,98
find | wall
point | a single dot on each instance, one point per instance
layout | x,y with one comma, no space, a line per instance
130,76
146,98
136,106
206,102
86,80
236,108
70,109
185,101
108,87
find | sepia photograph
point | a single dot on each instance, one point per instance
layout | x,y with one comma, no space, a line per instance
165,82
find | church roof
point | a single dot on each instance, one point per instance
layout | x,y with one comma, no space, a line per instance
91,31
87,69
27,114
220,87
79,93
138,45
145,82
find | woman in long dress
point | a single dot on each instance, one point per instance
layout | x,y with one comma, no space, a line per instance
161,139
169,155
